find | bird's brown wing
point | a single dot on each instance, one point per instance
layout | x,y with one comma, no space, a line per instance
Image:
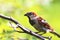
43,22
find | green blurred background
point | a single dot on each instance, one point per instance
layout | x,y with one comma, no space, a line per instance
47,9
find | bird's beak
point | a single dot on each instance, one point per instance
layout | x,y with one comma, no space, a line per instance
25,15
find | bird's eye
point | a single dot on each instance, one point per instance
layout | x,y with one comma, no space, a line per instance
29,13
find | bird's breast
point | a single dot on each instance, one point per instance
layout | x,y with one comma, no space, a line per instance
36,25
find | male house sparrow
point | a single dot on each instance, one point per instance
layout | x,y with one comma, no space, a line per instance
40,24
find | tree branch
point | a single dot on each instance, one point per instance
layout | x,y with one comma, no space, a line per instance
23,28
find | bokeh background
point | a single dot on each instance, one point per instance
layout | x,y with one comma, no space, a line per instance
47,9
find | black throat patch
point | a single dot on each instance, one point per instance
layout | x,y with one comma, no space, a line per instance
32,22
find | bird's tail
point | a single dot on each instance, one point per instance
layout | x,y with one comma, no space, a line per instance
58,35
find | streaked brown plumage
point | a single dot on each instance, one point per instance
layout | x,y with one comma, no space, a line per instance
39,23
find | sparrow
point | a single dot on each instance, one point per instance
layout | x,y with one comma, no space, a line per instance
40,24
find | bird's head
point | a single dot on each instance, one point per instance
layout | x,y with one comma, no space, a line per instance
30,14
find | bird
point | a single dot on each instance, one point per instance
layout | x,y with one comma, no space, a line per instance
40,24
